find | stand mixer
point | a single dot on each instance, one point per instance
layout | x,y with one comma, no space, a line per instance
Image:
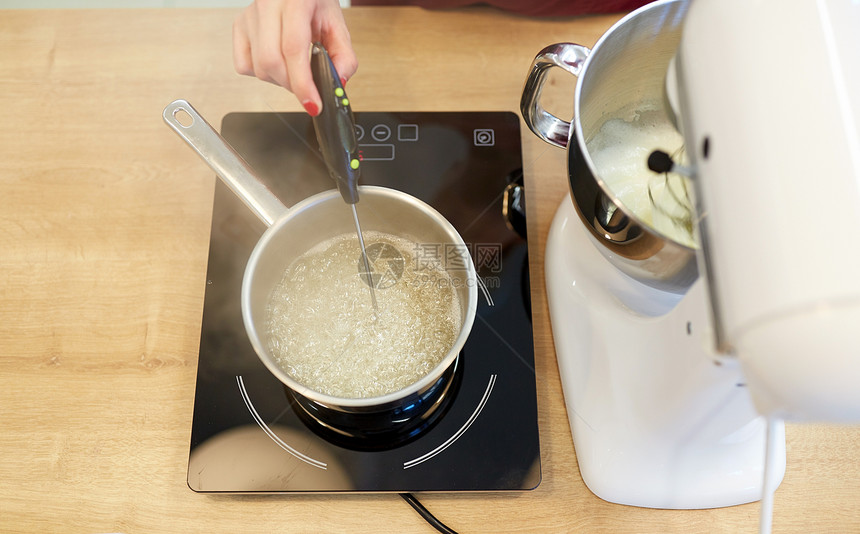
676,384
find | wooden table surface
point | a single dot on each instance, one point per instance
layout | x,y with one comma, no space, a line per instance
104,223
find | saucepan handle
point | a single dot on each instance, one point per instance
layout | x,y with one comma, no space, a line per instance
224,160
568,56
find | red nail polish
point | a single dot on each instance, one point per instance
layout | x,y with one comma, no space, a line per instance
342,80
311,107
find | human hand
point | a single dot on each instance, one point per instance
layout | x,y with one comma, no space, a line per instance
272,39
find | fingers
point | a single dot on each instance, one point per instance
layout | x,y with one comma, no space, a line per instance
266,50
242,48
272,39
256,43
295,46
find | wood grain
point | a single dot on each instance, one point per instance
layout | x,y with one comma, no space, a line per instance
104,221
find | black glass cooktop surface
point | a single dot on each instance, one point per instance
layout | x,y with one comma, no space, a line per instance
246,437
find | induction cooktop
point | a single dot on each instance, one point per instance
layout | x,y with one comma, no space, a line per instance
246,436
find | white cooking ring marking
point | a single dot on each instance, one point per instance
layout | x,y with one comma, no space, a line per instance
463,429
270,433
483,286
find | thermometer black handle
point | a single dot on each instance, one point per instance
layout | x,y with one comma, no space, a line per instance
335,126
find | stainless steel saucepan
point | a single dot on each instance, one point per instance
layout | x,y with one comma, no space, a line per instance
363,422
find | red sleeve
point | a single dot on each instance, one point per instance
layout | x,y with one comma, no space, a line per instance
532,8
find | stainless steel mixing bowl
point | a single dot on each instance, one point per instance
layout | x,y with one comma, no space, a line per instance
626,67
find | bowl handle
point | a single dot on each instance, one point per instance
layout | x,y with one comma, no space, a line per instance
568,56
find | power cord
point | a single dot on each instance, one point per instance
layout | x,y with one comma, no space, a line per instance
425,513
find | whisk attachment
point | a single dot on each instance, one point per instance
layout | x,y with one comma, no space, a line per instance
670,196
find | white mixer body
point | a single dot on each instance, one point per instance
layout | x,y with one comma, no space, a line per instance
658,418
770,105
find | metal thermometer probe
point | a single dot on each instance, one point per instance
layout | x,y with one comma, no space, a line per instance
335,130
